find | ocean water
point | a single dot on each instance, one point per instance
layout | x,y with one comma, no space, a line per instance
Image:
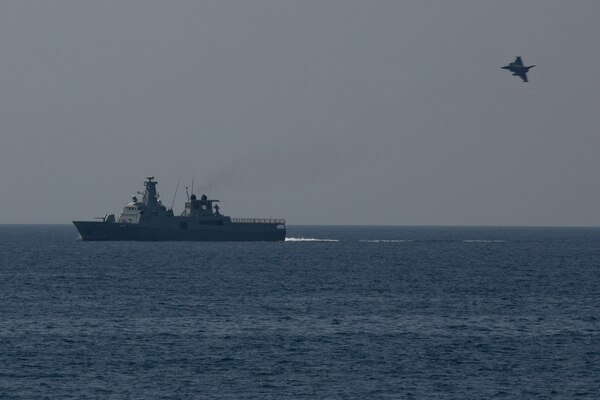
332,313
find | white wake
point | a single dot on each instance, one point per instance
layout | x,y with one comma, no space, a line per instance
303,239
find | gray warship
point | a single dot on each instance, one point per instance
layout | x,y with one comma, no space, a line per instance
201,220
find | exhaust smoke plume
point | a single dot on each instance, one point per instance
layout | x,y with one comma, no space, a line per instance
301,164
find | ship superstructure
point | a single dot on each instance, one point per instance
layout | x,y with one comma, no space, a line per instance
201,220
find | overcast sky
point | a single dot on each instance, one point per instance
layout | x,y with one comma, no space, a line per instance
320,112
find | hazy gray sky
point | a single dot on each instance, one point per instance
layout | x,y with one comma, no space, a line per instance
321,112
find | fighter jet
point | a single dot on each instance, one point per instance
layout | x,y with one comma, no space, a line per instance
518,69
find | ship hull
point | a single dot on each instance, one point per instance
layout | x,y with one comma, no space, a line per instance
112,231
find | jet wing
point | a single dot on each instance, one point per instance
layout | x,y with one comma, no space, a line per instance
522,74
518,61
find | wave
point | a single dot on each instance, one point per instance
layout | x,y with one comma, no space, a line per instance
385,240
310,239
302,239
482,241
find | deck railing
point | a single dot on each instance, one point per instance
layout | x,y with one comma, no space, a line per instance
258,221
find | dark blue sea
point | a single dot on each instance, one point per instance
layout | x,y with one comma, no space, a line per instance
332,313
